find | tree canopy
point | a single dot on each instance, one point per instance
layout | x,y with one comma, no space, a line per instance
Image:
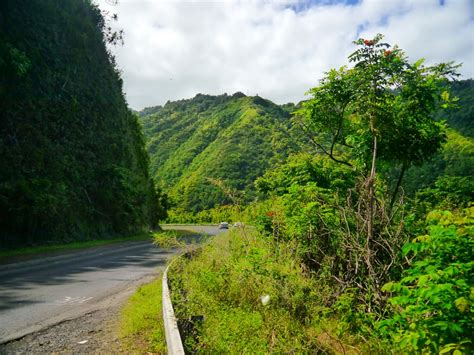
383,108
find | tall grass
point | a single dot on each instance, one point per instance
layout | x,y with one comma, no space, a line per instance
254,296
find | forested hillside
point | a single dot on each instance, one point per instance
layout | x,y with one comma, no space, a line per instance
72,158
462,117
236,139
454,163
232,139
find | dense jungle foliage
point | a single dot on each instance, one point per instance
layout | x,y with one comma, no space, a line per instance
364,243
72,158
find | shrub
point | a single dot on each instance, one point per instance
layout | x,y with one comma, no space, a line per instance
433,302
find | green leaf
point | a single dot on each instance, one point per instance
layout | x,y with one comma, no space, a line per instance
445,96
388,287
447,348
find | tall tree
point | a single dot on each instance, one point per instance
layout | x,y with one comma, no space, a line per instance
380,109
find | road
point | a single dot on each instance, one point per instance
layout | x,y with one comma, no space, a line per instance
40,293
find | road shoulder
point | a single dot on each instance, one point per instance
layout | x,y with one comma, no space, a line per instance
94,332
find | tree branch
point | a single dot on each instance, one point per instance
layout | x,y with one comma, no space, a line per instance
312,140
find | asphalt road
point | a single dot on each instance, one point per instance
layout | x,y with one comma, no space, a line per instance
40,293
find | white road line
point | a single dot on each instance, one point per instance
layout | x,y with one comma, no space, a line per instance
73,300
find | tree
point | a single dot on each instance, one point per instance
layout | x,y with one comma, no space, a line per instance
381,109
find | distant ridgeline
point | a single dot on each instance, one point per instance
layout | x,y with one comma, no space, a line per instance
236,139
462,119
72,157
195,144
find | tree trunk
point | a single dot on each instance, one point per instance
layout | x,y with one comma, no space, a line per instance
371,191
399,183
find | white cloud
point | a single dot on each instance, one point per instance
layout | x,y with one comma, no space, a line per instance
176,49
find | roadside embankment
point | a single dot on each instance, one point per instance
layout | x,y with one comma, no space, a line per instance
244,293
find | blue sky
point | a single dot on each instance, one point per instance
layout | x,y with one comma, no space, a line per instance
275,48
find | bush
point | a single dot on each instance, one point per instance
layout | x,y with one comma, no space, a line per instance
433,302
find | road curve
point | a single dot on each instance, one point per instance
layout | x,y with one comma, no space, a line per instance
37,294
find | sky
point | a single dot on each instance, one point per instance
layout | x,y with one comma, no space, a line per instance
277,49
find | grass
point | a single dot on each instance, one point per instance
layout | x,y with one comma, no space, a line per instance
178,238
226,282
26,252
141,323
222,285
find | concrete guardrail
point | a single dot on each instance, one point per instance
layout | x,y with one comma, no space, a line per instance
173,338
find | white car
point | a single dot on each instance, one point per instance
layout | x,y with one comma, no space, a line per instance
223,225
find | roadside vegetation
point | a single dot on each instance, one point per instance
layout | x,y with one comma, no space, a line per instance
244,292
252,295
343,259
185,237
141,323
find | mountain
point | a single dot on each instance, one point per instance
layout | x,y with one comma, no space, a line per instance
233,139
456,158
236,139
72,157
461,118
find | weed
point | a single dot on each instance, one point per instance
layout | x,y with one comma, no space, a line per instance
141,322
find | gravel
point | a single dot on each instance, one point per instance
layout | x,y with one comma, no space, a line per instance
95,332
92,333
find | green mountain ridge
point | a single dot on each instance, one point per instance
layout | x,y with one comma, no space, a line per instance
456,158
462,117
237,139
230,138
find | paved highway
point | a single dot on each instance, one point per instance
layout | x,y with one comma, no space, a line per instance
39,293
